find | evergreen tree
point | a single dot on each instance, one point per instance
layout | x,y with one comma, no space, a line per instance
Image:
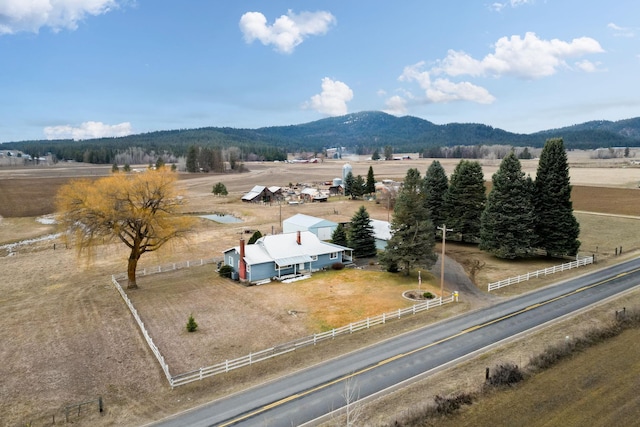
220,189
361,238
435,187
508,221
358,187
525,154
192,159
375,155
115,168
412,234
348,184
388,152
464,200
126,167
339,236
556,226
371,182
254,237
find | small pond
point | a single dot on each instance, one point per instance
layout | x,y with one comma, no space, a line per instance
225,219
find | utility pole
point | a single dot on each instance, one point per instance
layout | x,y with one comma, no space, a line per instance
444,236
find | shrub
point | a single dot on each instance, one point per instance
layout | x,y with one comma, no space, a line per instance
449,405
191,324
428,295
337,266
220,189
225,271
505,375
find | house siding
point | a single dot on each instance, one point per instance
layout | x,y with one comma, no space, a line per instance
262,261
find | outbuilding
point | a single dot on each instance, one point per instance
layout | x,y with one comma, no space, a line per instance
300,222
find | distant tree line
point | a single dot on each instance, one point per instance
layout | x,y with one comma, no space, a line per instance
147,148
365,133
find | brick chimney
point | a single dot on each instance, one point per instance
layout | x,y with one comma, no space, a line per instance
242,267
298,239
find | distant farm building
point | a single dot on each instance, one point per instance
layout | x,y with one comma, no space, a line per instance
262,194
322,228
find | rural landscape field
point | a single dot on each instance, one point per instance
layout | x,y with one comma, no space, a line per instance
68,337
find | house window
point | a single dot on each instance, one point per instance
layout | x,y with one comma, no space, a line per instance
248,267
230,261
333,255
314,257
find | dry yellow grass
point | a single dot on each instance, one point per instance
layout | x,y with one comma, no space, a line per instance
272,314
596,388
69,337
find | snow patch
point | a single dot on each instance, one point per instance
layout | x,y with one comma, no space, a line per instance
47,219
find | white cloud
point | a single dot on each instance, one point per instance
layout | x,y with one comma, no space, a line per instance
288,31
621,31
31,15
396,105
333,98
444,90
498,6
88,130
529,57
588,66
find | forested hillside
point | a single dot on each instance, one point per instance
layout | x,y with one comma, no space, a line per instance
360,133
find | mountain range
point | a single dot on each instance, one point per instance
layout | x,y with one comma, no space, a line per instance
361,132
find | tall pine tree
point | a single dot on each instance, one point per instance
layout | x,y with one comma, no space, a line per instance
361,238
556,226
192,159
371,182
348,184
508,220
435,186
339,236
464,200
412,234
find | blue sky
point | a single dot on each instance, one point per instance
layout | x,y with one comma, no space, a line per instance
90,68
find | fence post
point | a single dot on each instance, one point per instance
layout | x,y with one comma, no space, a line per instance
100,406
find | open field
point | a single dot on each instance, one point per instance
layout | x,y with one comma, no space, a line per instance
67,336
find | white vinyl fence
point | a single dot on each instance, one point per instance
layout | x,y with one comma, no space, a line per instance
147,337
170,267
539,273
268,353
252,358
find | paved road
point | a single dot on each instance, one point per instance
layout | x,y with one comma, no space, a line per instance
307,395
